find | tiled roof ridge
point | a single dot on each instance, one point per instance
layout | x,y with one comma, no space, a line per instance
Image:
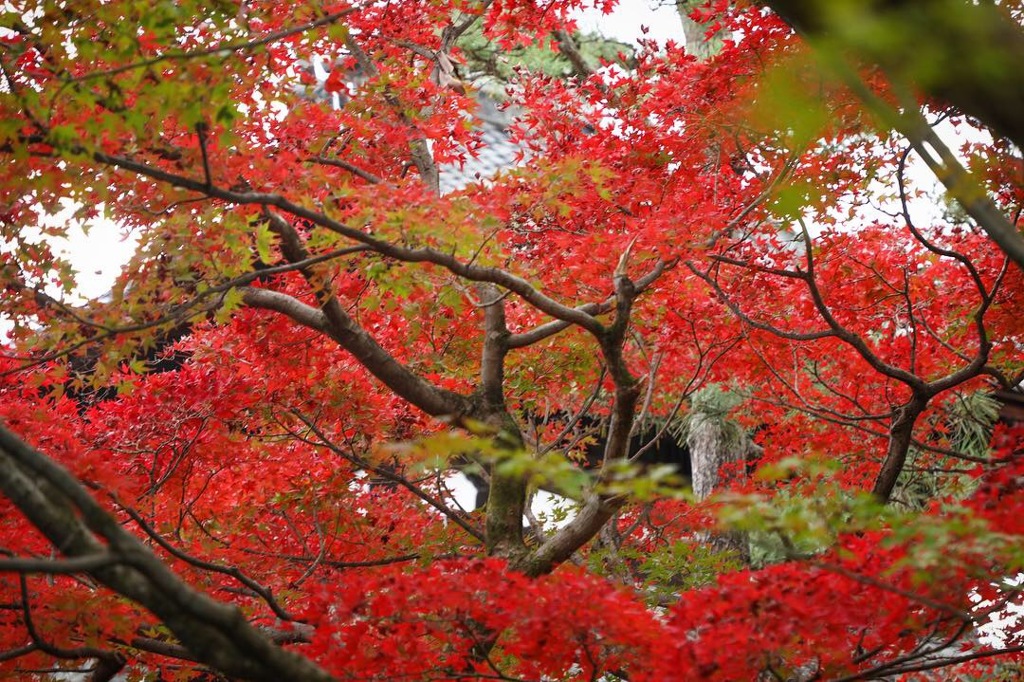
496,152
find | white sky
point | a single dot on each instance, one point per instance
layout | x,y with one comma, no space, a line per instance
97,256
630,17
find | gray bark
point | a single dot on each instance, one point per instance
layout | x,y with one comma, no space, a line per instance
697,43
711,447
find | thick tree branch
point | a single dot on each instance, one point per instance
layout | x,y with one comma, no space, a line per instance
495,347
350,336
340,326
82,564
567,46
599,508
596,512
901,435
508,492
217,634
299,633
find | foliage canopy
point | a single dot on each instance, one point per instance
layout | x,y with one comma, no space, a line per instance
236,463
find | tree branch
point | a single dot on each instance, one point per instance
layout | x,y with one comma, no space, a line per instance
217,634
476,273
994,92
383,472
350,336
177,313
82,564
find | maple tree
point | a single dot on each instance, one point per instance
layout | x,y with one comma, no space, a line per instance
236,463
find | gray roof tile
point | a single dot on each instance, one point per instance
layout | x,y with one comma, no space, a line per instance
496,153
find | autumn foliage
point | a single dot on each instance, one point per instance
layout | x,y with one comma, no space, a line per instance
258,429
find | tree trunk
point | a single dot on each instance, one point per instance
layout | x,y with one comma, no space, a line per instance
697,42
901,433
710,449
